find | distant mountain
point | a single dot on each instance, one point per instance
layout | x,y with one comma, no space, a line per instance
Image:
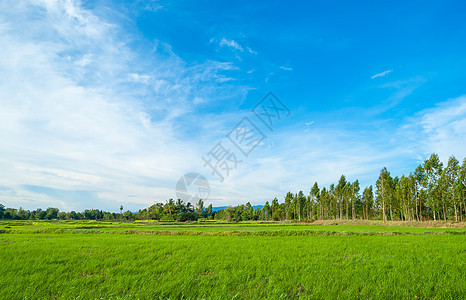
215,209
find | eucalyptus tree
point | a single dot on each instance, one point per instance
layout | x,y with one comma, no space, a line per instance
354,197
332,201
340,192
314,198
412,204
266,210
288,199
394,202
384,190
368,200
308,211
294,206
346,198
450,175
402,192
419,184
301,203
433,167
324,198
275,207
460,188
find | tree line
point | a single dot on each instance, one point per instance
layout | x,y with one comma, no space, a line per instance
431,192
169,211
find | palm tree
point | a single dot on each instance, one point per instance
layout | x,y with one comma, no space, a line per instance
170,207
180,207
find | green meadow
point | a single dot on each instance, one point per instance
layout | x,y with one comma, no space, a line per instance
150,260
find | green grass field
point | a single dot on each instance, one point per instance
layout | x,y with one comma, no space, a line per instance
103,260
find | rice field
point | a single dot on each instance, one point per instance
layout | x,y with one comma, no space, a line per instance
98,260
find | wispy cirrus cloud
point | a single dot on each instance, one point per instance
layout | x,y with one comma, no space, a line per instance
286,68
231,43
381,74
251,51
399,90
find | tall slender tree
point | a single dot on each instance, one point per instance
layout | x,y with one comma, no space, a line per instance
433,167
384,190
288,199
301,204
460,188
314,194
333,201
450,175
419,184
354,197
340,193
368,197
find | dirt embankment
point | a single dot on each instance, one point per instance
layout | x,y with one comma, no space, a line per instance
428,224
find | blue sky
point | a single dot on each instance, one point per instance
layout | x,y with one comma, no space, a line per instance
106,103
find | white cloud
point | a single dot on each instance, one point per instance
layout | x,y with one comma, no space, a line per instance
231,43
308,125
381,74
441,129
224,42
251,51
286,68
82,112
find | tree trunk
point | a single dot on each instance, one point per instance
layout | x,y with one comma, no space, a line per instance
444,213
383,211
299,212
420,208
286,211
341,210
417,213
347,205
461,212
